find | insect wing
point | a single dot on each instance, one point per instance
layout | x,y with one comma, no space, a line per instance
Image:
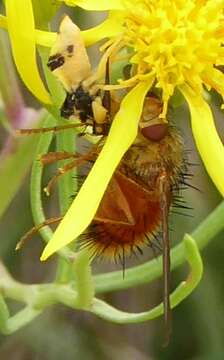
114,206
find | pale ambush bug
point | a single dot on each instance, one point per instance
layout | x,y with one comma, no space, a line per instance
70,63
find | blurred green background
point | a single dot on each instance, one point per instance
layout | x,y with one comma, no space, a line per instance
59,333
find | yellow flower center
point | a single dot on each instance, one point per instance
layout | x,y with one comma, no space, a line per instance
176,41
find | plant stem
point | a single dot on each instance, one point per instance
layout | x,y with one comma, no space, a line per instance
36,187
66,187
151,270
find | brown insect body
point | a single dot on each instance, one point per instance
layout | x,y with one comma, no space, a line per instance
137,201
130,212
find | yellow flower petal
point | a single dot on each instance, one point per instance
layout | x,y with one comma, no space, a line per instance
44,38
3,22
207,140
99,5
21,30
111,27
122,134
214,78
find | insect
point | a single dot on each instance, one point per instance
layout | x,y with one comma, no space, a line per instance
69,62
137,202
84,100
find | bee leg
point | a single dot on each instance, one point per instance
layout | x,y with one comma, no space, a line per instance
52,157
35,229
78,161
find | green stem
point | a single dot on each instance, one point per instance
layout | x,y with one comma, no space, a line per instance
4,314
21,319
82,297
192,255
66,187
151,270
84,281
36,186
12,289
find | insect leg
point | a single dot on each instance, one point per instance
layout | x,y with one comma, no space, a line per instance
54,156
78,161
35,229
47,129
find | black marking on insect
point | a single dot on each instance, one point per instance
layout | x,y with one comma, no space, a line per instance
55,61
70,49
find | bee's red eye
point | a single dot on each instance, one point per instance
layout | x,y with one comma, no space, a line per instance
155,132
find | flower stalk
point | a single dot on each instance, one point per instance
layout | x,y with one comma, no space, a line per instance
40,296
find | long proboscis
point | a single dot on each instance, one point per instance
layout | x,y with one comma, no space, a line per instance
164,206
107,97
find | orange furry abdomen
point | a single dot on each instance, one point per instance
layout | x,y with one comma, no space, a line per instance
124,218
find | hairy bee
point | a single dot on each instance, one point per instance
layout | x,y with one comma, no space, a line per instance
137,202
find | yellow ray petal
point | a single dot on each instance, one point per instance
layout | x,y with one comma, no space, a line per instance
21,30
44,38
207,140
111,27
215,79
99,5
3,22
122,134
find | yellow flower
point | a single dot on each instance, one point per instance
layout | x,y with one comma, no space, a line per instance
20,23
176,44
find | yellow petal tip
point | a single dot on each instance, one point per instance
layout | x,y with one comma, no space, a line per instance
45,254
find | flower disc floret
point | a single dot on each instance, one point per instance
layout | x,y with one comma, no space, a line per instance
175,41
